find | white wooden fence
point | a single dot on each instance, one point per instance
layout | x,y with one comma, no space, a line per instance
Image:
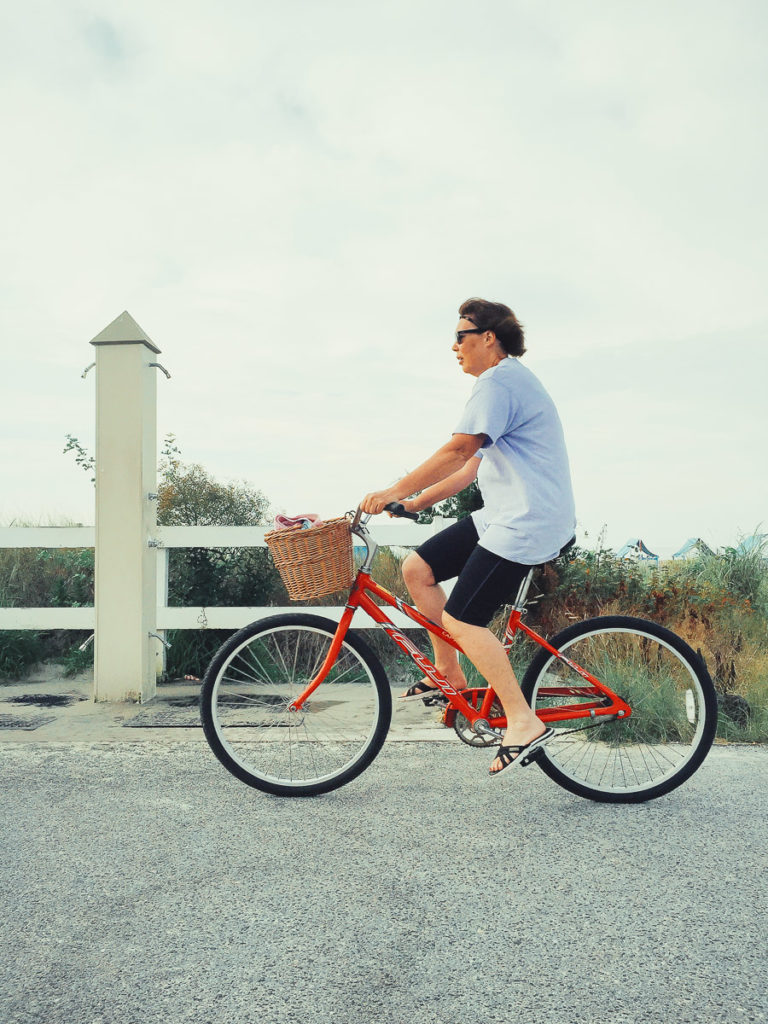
167,537
401,535
47,537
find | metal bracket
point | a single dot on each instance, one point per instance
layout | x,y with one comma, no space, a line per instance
161,367
90,366
165,643
152,543
153,496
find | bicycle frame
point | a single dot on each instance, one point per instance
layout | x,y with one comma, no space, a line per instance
604,705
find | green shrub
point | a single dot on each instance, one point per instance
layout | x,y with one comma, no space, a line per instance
191,650
20,650
189,496
73,660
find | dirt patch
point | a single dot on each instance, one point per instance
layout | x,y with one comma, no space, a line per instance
44,700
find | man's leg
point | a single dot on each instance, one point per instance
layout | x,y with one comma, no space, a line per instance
430,599
487,654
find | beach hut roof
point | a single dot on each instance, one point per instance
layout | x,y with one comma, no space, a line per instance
693,544
635,548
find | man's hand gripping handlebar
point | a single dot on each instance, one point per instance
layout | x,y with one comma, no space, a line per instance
399,511
394,508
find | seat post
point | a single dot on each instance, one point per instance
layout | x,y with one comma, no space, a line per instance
519,602
517,609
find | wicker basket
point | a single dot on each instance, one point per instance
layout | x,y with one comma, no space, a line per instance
313,562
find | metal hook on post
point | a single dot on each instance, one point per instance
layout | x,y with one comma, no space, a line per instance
90,366
161,367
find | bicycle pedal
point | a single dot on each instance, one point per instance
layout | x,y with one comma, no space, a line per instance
435,702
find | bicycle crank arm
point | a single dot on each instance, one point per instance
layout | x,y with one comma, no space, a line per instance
482,728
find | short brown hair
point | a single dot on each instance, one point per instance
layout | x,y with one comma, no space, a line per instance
496,317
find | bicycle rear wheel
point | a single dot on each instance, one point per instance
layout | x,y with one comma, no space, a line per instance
250,684
674,710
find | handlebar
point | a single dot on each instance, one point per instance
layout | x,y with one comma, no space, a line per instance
396,509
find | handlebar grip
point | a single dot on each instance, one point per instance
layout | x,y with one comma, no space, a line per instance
396,509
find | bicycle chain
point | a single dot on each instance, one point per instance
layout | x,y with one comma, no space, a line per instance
581,728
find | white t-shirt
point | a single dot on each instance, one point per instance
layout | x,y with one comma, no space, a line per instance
528,512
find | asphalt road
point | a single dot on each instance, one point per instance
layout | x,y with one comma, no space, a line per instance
142,884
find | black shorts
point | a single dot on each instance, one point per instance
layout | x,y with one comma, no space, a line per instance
485,581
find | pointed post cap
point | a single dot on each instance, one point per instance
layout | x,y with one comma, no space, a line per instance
124,331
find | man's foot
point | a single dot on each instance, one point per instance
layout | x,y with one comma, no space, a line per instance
421,690
424,690
515,754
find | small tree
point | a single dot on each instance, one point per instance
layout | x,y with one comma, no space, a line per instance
189,496
457,507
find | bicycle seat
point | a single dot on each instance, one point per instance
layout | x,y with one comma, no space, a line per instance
566,547
561,552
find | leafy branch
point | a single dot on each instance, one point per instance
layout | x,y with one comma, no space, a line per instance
82,457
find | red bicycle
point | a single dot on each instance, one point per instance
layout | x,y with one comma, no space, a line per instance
297,704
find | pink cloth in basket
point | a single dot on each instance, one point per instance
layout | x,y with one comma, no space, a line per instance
305,521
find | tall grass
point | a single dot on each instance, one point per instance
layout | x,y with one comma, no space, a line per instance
718,603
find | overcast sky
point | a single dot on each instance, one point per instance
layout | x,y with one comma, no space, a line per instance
293,199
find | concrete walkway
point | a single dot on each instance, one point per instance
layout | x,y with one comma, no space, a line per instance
72,717
143,884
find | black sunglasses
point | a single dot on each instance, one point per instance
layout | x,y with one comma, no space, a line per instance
460,335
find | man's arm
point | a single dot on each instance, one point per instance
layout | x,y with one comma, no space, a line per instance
445,488
446,461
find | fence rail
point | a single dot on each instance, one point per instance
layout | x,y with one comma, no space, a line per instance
47,536
163,539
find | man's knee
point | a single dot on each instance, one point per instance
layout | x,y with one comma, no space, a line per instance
417,572
454,626
457,628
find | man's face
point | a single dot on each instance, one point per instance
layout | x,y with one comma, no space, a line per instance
472,348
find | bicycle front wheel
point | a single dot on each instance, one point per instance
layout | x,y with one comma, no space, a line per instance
674,710
250,685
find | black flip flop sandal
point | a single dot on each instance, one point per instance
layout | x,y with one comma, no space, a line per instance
420,691
520,756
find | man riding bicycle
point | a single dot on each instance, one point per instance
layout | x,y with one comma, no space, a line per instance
510,438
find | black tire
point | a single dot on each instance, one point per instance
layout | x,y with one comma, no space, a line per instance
253,678
667,685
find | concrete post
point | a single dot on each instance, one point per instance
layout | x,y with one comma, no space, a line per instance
126,473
